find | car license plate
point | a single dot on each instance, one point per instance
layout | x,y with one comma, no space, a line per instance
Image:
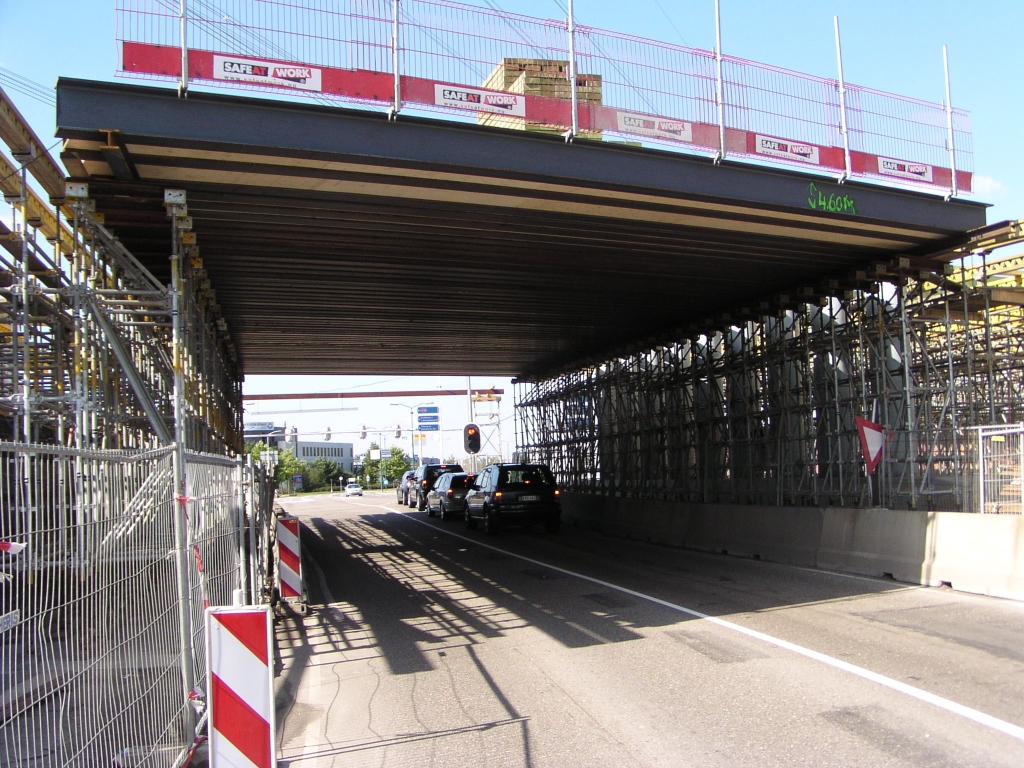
529,498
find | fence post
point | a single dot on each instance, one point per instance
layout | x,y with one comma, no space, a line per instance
183,21
243,564
719,83
255,506
981,471
397,105
842,106
949,124
574,125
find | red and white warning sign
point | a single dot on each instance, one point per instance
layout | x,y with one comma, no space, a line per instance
289,559
239,654
645,125
479,100
300,76
887,166
872,441
790,150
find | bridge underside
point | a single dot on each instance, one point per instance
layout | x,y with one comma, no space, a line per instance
339,242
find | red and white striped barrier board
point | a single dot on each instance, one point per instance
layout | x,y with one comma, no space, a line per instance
239,655
289,560
11,547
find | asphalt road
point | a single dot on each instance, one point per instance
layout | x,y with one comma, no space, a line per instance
429,645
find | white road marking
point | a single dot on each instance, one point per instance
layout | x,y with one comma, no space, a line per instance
929,698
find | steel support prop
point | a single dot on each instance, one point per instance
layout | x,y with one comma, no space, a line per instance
181,535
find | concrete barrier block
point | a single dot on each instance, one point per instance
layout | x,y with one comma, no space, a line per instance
973,553
983,554
875,542
781,534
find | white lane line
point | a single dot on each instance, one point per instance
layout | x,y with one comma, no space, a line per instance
929,698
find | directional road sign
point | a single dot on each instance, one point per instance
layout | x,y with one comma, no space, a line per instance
427,409
429,419
430,427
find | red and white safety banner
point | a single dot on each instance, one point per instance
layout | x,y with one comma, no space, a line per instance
239,655
289,559
368,85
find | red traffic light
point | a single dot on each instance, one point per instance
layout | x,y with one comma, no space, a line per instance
471,438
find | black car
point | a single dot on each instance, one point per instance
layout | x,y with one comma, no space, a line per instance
402,489
448,496
514,494
424,479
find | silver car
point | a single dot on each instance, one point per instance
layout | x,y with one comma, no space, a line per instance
353,489
448,496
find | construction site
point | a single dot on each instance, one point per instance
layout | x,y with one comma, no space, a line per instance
137,272
757,405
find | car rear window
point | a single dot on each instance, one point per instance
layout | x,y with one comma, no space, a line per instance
436,472
526,477
461,482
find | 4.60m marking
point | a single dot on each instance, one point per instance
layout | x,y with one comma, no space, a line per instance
833,203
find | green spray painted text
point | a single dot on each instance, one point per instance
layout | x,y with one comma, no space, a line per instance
833,203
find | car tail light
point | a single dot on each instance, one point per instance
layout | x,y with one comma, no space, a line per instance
424,483
450,493
497,497
557,492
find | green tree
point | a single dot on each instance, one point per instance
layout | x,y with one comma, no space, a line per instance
371,467
396,466
255,449
320,473
288,465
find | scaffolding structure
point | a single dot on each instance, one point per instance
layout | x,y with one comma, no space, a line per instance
89,338
759,407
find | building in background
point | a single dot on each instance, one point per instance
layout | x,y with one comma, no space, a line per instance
310,451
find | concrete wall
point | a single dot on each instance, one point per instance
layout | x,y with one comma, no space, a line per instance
972,553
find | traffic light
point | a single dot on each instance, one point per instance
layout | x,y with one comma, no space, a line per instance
471,438
398,431
362,432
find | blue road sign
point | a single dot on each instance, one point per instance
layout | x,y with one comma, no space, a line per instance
428,419
427,409
429,427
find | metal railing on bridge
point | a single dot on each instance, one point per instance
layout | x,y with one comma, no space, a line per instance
513,71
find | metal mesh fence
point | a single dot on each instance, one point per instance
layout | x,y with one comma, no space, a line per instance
90,651
626,86
996,475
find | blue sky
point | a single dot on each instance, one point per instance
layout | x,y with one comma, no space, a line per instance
890,45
